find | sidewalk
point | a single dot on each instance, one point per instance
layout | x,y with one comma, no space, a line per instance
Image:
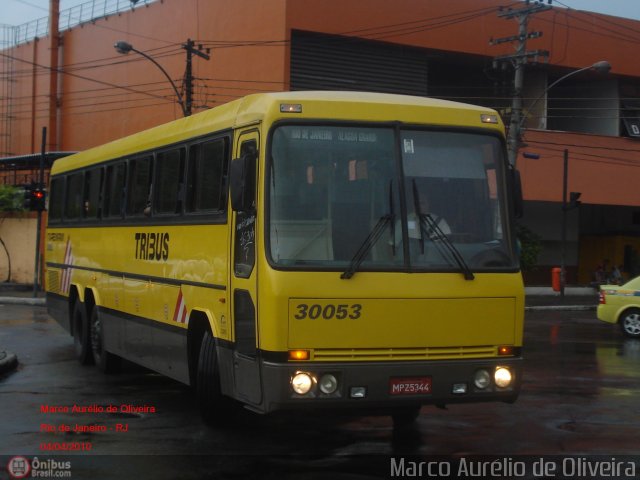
16,294
575,298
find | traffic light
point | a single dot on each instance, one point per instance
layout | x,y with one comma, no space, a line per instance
34,198
574,199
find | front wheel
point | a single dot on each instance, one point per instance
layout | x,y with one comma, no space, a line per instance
630,323
81,341
215,408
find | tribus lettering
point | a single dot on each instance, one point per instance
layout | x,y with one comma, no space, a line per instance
152,246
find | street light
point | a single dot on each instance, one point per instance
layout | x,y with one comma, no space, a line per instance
602,67
125,47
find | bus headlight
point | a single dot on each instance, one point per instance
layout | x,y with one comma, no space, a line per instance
482,379
328,384
502,377
302,383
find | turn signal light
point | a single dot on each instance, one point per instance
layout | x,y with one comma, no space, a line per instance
299,355
505,350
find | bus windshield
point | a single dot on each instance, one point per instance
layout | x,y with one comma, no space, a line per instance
386,199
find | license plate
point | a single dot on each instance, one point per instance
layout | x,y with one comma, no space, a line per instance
410,386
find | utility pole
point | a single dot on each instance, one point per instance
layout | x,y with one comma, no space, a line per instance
519,60
188,75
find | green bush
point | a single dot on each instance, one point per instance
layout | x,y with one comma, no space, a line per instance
530,247
11,198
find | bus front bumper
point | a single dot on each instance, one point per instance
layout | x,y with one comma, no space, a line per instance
382,385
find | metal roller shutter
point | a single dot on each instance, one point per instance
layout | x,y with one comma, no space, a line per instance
329,62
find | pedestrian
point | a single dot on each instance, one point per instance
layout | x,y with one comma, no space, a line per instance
616,275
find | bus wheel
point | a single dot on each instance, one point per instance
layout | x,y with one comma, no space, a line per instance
81,340
215,408
405,417
105,361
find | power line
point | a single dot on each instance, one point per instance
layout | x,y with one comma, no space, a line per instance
54,69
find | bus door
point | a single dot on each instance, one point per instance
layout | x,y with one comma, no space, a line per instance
248,385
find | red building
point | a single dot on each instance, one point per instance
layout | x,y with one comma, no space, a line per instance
86,93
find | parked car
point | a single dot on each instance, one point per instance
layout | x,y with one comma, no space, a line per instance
621,304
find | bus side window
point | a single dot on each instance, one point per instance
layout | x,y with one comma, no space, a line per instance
73,200
206,184
56,200
139,191
92,189
114,190
169,178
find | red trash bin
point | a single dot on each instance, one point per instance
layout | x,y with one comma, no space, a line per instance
555,278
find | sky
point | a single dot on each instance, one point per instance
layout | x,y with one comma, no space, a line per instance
17,12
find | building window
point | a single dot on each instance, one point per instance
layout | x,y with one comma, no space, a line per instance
631,117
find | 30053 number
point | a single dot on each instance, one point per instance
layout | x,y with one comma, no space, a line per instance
328,312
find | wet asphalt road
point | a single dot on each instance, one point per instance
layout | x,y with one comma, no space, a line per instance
581,396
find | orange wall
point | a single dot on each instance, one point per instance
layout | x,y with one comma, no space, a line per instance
94,112
604,169
162,28
249,40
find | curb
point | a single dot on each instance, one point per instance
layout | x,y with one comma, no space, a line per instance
8,362
34,302
560,308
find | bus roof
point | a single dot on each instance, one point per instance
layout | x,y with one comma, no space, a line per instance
322,105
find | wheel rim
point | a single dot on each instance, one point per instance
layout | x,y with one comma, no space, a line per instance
631,324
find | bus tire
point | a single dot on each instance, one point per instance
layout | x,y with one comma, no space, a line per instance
215,408
106,362
81,341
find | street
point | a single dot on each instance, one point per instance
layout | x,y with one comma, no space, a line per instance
580,396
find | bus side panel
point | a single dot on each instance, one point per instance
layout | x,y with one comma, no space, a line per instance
58,308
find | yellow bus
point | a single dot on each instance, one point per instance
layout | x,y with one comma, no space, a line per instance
298,250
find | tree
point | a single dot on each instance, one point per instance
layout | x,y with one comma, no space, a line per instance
530,247
11,199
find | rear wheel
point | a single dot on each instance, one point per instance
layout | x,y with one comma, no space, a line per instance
105,361
81,340
215,408
630,323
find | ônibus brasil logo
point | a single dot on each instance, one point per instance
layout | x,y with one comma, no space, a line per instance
19,467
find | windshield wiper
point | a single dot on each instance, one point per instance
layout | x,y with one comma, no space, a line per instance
428,224
372,238
367,245
429,229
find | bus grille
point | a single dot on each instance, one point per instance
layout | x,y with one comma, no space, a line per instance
53,281
425,353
